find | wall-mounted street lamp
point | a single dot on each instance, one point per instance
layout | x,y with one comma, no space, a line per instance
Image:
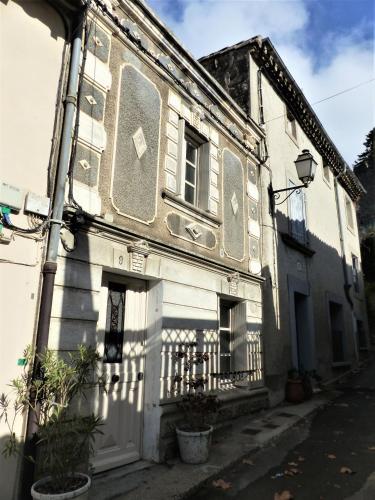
306,167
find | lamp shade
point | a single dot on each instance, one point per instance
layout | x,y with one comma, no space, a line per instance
306,166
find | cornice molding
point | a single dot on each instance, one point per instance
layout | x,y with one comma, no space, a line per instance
273,67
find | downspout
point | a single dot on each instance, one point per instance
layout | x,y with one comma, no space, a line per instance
347,285
50,265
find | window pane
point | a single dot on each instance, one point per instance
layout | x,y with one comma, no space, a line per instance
190,173
224,364
189,193
224,341
114,330
224,316
191,153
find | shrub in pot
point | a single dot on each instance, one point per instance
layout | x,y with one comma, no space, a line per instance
299,385
194,433
64,437
294,390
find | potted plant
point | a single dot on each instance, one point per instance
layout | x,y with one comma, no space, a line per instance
64,437
194,434
294,391
299,385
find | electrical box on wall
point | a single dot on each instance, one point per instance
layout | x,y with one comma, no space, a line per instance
36,204
11,196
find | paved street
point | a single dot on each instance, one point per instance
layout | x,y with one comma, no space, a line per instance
328,457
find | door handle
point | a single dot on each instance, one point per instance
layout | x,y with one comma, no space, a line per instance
115,378
140,376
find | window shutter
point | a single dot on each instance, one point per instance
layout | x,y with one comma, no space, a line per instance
204,176
297,215
239,329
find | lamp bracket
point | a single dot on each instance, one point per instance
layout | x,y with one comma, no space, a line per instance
275,194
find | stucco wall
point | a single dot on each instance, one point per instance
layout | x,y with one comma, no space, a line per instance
31,52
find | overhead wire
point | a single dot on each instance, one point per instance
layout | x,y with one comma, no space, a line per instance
349,89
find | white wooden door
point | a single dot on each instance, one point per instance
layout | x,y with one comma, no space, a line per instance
121,342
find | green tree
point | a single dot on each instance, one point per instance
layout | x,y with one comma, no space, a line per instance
367,158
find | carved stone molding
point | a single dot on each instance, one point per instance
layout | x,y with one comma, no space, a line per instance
138,252
233,279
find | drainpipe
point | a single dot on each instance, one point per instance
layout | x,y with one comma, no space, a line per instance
50,265
347,285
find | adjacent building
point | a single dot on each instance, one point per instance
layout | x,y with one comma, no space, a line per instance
314,316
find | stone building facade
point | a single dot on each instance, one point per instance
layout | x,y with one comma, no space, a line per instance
157,252
313,297
167,240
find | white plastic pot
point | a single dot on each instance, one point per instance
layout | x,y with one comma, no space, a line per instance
81,493
194,446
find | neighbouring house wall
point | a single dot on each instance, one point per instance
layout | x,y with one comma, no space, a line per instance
31,55
314,272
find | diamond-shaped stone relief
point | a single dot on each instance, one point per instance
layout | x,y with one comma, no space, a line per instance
193,230
91,100
85,164
139,143
97,41
234,203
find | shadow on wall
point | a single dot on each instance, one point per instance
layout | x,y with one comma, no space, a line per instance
43,12
313,326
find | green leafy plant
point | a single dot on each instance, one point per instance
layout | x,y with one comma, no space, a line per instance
65,438
197,406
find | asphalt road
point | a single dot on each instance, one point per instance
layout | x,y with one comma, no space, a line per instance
330,457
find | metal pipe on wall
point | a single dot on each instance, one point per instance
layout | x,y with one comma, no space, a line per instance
50,265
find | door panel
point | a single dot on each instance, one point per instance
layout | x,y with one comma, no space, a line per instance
121,341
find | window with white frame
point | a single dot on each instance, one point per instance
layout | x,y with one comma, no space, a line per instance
291,124
225,339
297,215
194,167
327,173
349,213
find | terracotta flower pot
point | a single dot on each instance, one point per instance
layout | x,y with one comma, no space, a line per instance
294,391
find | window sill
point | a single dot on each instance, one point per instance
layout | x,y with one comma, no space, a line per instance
189,209
296,245
224,396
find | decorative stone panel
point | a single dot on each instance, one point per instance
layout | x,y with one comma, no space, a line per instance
233,188
99,42
91,133
92,101
233,280
138,252
134,179
189,230
253,221
86,166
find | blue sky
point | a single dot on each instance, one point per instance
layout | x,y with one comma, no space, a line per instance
328,45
